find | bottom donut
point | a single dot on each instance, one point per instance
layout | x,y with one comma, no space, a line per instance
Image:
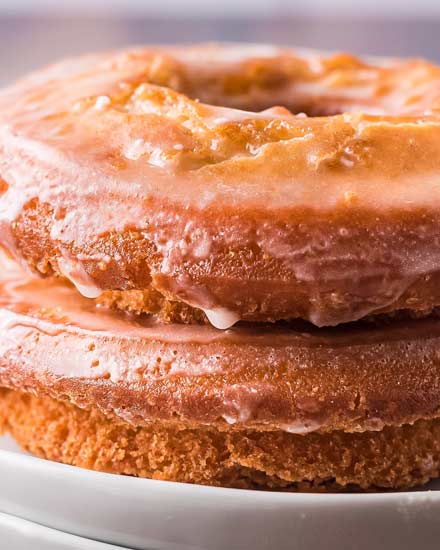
394,457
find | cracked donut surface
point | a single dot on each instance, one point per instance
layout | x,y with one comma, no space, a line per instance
255,233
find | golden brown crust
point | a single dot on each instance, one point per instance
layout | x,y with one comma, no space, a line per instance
398,457
118,180
150,301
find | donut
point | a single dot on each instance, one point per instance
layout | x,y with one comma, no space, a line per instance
116,384
222,267
169,172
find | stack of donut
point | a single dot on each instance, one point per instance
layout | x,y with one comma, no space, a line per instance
223,266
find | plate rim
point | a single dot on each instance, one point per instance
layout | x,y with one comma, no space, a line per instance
48,534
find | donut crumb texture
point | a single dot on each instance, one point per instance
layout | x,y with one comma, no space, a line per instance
396,457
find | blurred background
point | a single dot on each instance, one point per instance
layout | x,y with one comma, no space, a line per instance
34,32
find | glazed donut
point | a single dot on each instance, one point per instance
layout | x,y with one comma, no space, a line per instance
292,377
168,188
167,172
57,343
154,388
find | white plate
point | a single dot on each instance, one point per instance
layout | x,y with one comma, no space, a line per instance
159,515
20,534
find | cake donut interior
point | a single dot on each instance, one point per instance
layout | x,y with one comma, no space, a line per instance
221,265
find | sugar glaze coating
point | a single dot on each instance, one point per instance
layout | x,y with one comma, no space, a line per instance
112,176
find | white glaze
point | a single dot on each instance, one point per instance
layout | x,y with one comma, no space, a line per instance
73,270
301,427
221,317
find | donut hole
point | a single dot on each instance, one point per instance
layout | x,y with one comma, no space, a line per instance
309,107
314,86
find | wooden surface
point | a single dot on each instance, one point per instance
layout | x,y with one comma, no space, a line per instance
28,42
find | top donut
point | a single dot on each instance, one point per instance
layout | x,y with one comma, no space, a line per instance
250,182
